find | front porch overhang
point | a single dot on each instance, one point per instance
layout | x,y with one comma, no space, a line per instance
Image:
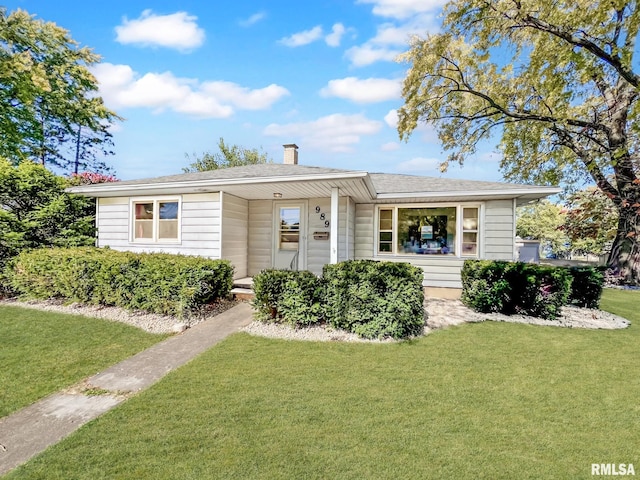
356,185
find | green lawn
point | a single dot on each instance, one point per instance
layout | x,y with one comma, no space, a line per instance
489,400
42,352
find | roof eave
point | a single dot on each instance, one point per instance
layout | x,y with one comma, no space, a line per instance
108,189
533,193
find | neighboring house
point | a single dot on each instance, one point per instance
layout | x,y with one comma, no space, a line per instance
300,217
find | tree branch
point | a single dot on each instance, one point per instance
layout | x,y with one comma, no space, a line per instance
611,59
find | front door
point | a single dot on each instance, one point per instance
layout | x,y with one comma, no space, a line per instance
290,235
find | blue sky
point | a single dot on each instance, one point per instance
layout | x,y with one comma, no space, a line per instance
321,74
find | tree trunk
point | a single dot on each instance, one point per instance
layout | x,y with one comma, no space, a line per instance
76,163
624,259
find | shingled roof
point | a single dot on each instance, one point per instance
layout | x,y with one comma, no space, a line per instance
363,186
265,170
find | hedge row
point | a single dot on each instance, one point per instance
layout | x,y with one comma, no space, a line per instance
154,282
529,289
369,298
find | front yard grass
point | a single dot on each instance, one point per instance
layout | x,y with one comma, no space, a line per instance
42,352
489,400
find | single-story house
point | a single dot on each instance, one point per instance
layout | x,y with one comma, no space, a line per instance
301,217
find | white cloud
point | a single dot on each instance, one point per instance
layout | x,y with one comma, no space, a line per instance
390,146
334,38
370,90
121,87
243,97
302,38
178,30
420,165
401,9
391,39
426,131
368,54
253,19
333,133
391,118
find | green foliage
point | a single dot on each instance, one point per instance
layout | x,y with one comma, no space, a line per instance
484,287
155,282
291,297
48,101
546,77
35,211
229,156
542,221
302,301
369,298
591,221
375,299
515,288
586,287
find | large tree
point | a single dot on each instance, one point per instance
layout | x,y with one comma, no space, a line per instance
591,221
49,110
543,221
35,210
557,81
228,156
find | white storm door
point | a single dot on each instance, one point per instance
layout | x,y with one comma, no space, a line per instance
290,235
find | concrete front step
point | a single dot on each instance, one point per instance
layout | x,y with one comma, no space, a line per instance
246,282
242,293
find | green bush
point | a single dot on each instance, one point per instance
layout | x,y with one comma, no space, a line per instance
484,287
586,288
154,282
375,299
286,296
515,288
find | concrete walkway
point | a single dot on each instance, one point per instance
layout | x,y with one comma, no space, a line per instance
29,431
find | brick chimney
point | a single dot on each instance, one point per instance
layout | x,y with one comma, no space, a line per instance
290,154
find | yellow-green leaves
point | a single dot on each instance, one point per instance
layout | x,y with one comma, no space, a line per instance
554,82
47,94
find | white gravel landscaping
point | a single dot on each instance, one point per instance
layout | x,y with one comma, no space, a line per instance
440,313
149,322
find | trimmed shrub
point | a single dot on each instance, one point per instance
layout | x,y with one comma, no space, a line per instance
6,291
375,299
154,282
586,288
484,287
515,288
287,296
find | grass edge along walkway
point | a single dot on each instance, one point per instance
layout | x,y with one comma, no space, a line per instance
487,400
32,429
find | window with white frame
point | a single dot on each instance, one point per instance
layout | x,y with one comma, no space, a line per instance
156,220
449,230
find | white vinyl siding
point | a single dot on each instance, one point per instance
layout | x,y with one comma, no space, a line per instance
499,230
364,235
235,230
351,229
200,226
319,250
260,254
260,235
438,271
496,237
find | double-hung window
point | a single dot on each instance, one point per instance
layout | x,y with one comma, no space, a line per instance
448,230
156,220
